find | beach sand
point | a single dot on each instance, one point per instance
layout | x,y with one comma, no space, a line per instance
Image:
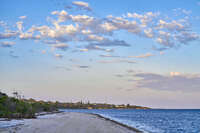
69,122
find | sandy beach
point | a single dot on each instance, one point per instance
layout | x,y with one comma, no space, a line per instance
70,123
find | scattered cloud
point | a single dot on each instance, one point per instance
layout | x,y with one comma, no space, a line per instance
162,53
63,68
95,33
11,53
96,47
9,34
108,55
58,56
119,75
14,56
174,82
142,56
82,5
61,46
175,73
80,66
117,61
84,50
22,17
7,44
43,51
108,43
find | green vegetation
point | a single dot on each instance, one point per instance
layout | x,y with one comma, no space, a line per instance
18,107
81,105
11,107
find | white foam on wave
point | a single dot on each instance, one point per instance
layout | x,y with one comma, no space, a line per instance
10,123
141,127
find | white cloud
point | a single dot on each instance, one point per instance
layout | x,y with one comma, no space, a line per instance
108,55
117,61
172,26
96,47
82,19
175,73
9,34
96,33
149,33
108,43
84,50
185,37
61,46
20,26
58,56
82,5
142,56
43,51
22,17
108,27
95,38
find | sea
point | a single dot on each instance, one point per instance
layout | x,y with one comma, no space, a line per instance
148,121
153,120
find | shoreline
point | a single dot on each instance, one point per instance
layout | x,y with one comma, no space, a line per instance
71,122
36,115
116,122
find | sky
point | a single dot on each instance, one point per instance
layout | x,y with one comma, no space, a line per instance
123,52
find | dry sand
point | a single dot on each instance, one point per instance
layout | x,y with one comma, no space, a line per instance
70,123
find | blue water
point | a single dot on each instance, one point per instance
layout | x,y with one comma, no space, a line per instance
154,121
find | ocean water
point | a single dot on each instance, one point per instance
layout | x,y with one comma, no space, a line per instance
154,121
148,121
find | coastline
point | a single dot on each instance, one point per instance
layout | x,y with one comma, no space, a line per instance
116,122
72,123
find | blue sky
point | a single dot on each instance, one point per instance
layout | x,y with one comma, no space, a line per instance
136,52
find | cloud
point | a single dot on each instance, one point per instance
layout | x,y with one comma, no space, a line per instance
119,75
142,56
20,25
162,53
7,44
108,55
84,50
14,56
9,34
180,11
61,46
108,27
82,5
168,33
175,73
22,17
63,68
185,37
80,66
43,51
95,33
3,24
108,43
96,47
129,25
59,56
117,61
174,82
26,36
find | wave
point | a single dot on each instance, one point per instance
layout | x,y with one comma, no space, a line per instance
142,127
